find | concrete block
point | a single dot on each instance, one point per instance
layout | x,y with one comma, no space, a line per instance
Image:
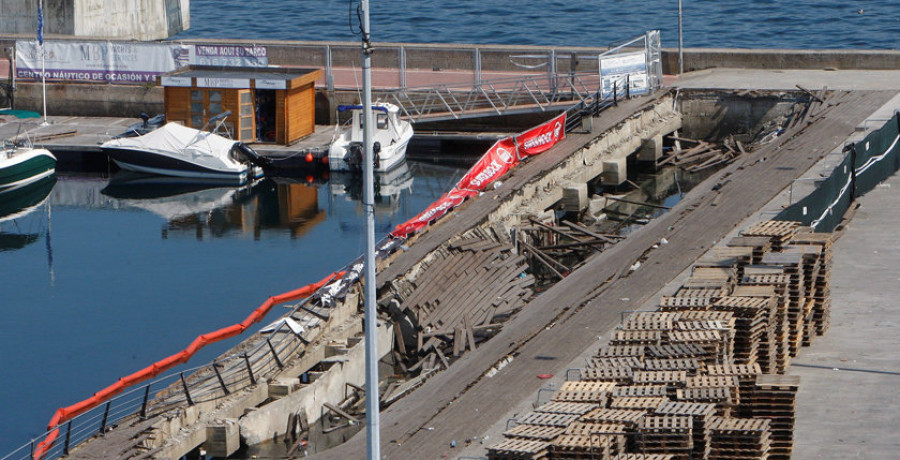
615,171
280,389
575,197
651,149
222,438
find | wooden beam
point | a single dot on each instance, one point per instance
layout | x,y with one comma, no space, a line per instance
586,231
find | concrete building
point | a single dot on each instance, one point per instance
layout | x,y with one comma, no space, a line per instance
113,19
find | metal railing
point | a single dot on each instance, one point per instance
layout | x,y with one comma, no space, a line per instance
525,94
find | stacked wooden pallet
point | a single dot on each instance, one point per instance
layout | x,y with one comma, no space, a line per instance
759,245
789,263
671,383
778,232
589,392
777,285
518,449
822,282
666,434
746,377
578,447
739,438
700,414
774,398
752,315
720,396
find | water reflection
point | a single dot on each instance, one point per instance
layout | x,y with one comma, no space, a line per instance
198,210
18,225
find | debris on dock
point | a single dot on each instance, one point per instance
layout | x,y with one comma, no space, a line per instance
442,324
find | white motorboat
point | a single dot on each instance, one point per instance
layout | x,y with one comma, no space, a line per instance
176,150
390,138
21,166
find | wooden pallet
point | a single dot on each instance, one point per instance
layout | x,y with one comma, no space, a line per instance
534,432
624,375
542,419
567,407
672,379
643,403
626,417
579,391
518,449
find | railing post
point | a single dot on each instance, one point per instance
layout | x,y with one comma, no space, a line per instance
627,86
146,399
402,58
187,392
616,93
275,354
221,380
477,69
68,438
105,417
249,369
31,455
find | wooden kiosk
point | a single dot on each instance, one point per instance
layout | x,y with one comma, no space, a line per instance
267,104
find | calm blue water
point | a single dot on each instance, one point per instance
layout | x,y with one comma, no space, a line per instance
707,23
130,276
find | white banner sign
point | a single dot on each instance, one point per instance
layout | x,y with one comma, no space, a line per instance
270,84
231,55
126,62
210,82
622,69
110,62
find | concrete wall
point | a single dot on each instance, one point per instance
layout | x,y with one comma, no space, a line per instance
719,58
714,114
91,100
113,19
270,420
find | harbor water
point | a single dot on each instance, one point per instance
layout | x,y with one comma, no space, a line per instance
810,24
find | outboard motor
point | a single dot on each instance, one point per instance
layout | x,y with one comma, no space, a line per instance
243,153
376,149
354,156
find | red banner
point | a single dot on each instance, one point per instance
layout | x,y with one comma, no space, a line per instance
499,159
450,200
542,137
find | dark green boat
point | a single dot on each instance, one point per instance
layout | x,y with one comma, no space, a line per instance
20,166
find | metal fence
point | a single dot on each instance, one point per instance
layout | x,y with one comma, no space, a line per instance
865,164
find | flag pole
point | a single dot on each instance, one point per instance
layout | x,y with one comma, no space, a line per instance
43,66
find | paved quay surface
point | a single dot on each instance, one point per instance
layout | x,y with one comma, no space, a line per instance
848,404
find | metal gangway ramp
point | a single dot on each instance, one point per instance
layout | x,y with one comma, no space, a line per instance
524,93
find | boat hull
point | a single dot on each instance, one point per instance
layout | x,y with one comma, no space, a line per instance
160,164
22,169
385,162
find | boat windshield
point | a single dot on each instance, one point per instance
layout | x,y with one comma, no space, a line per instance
381,121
